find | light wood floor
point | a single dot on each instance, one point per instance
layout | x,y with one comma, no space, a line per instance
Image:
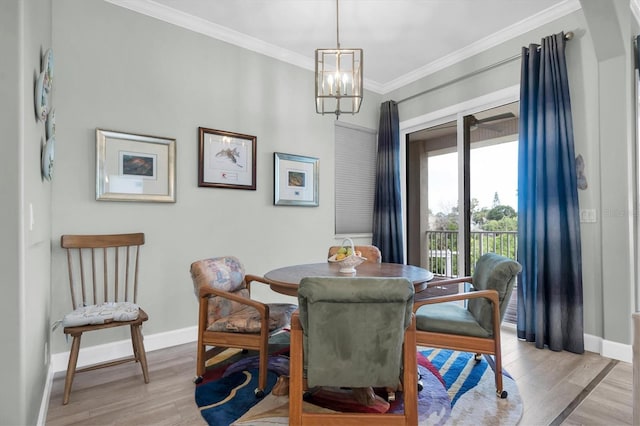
558,388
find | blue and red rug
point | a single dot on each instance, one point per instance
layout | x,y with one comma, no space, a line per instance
457,390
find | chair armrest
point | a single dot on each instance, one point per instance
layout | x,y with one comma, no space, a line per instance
249,278
492,295
206,292
449,281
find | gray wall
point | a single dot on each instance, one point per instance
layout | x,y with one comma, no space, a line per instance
25,33
132,73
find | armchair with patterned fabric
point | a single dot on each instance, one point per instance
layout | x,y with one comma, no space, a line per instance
229,318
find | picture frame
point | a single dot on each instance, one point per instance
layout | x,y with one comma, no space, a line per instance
226,159
295,180
132,167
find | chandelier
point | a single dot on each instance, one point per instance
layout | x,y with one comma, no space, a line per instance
338,78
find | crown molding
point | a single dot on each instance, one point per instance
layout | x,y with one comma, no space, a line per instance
512,31
219,32
634,5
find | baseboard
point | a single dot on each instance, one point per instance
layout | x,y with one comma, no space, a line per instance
598,345
46,395
617,351
109,351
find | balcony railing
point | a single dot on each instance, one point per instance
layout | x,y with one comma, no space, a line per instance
442,249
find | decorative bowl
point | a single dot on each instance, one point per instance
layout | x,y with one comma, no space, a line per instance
348,264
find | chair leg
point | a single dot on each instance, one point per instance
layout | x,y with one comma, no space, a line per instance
500,392
139,351
262,370
71,367
296,385
200,359
136,354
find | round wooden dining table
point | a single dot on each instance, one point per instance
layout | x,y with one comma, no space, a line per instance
286,280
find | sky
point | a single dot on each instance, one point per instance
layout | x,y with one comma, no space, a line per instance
493,169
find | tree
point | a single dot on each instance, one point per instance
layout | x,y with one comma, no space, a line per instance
496,200
498,212
479,217
504,224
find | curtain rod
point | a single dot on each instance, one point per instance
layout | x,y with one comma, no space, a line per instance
568,36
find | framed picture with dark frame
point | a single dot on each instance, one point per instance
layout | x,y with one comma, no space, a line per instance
226,159
132,167
295,180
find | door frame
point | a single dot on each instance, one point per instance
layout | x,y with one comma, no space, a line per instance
456,113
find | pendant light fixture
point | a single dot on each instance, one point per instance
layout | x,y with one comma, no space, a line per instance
338,78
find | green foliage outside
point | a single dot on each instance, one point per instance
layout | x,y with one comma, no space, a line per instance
492,230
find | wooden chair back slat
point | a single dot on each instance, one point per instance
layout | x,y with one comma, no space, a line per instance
93,275
117,276
126,278
135,282
82,284
120,255
71,286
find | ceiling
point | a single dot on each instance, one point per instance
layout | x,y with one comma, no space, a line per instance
403,40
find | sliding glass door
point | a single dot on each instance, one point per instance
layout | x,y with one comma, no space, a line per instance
461,190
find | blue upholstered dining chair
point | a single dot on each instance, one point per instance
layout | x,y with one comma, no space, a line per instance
356,333
476,326
229,318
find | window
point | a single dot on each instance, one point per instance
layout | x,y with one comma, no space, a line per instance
355,176
462,190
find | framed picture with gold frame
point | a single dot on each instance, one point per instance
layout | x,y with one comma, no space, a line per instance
131,167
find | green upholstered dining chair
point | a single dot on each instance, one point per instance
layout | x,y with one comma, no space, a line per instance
476,326
353,332
229,318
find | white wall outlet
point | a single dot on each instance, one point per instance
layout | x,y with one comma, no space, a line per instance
588,216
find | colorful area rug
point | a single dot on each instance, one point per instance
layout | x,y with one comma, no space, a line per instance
457,391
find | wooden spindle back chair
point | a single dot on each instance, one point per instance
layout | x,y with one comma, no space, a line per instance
103,276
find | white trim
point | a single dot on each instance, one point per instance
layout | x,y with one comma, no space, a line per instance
491,100
608,349
617,351
512,31
598,345
110,351
634,5
46,395
219,32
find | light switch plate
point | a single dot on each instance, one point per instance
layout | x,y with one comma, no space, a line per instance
588,216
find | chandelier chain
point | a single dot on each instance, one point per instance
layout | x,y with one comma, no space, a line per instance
337,25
